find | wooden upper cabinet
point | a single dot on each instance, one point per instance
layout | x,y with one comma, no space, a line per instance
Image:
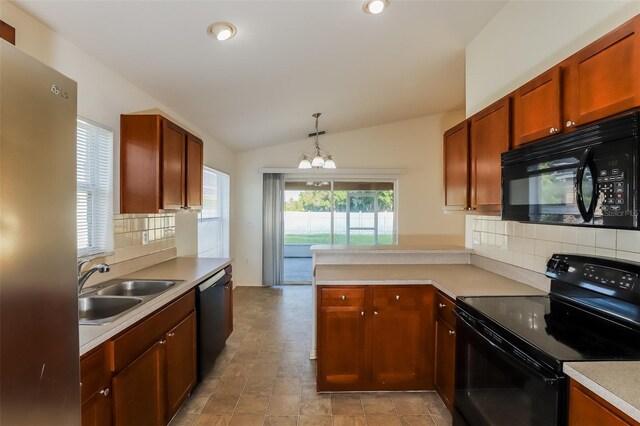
604,76
537,110
456,167
160,165
194,172
490,137
173,165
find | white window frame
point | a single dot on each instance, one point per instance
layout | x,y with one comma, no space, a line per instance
221,215
94,162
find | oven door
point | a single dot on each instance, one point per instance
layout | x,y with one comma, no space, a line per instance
495,387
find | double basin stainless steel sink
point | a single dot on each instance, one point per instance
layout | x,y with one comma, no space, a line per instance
105,302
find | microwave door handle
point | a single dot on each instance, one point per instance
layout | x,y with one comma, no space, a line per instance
587,214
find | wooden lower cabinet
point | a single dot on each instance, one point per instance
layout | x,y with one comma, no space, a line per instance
228,305
588,409
375,338
180,363
144,374
139,389
95,388
445,350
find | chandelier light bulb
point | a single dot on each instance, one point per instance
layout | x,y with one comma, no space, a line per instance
317,162
304,163
329,163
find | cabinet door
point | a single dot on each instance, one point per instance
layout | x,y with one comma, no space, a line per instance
604,75
140,140
537,110
445,361
95,389
96,411
587,409
400,349
139,390
341,339
194,171
228,306
456,167
181,363
173,170
490,137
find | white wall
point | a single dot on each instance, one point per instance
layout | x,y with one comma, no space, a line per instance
523,40
103,95
415,145
528,37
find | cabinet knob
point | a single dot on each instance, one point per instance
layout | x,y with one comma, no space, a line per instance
361,313
570,123
451,332
171,334
343,297
397,297
163,341
553,130
105,392
441,305
375,312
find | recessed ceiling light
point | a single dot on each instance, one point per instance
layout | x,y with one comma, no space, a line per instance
222,31
375,6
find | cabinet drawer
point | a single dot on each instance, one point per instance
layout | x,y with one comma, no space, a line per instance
94,372
126,347
445,309
397,296
342,297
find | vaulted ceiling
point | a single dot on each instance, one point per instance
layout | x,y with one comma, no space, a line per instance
288,60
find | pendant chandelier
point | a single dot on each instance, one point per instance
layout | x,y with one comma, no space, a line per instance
318,159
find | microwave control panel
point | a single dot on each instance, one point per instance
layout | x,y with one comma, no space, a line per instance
612,187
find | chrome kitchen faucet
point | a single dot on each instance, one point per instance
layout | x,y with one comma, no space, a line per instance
84,276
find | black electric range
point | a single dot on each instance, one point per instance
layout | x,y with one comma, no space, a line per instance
510,349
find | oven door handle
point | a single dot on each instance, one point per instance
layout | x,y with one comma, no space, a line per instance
547,380
585,161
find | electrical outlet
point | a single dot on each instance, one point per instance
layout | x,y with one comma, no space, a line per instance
145,238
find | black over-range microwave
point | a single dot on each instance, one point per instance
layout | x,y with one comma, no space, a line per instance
589,177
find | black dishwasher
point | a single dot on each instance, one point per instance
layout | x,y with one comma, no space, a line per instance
210,310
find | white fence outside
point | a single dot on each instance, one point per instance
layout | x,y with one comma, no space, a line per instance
310,223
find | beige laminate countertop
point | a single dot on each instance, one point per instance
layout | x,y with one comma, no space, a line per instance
190,270
389,248
453,280
616,381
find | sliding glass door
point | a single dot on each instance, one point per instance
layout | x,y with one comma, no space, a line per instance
334,212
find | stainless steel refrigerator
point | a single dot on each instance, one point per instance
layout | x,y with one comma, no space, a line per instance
39,366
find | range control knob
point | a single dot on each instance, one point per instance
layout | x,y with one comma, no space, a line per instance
562,266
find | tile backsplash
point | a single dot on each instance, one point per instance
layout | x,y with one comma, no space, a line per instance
530,245
128,235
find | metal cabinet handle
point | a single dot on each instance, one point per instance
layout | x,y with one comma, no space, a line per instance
441,305
397,297
451,332
163,341
375,312
171,334
570,123
553,130
361,313
105,392
343,297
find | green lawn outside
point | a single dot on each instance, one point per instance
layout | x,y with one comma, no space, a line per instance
338,239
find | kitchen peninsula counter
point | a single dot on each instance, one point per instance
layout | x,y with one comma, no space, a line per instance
190,270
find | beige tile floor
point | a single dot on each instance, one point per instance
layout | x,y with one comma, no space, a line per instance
264,375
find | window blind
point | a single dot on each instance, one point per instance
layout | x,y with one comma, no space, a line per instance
94,188
213,219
